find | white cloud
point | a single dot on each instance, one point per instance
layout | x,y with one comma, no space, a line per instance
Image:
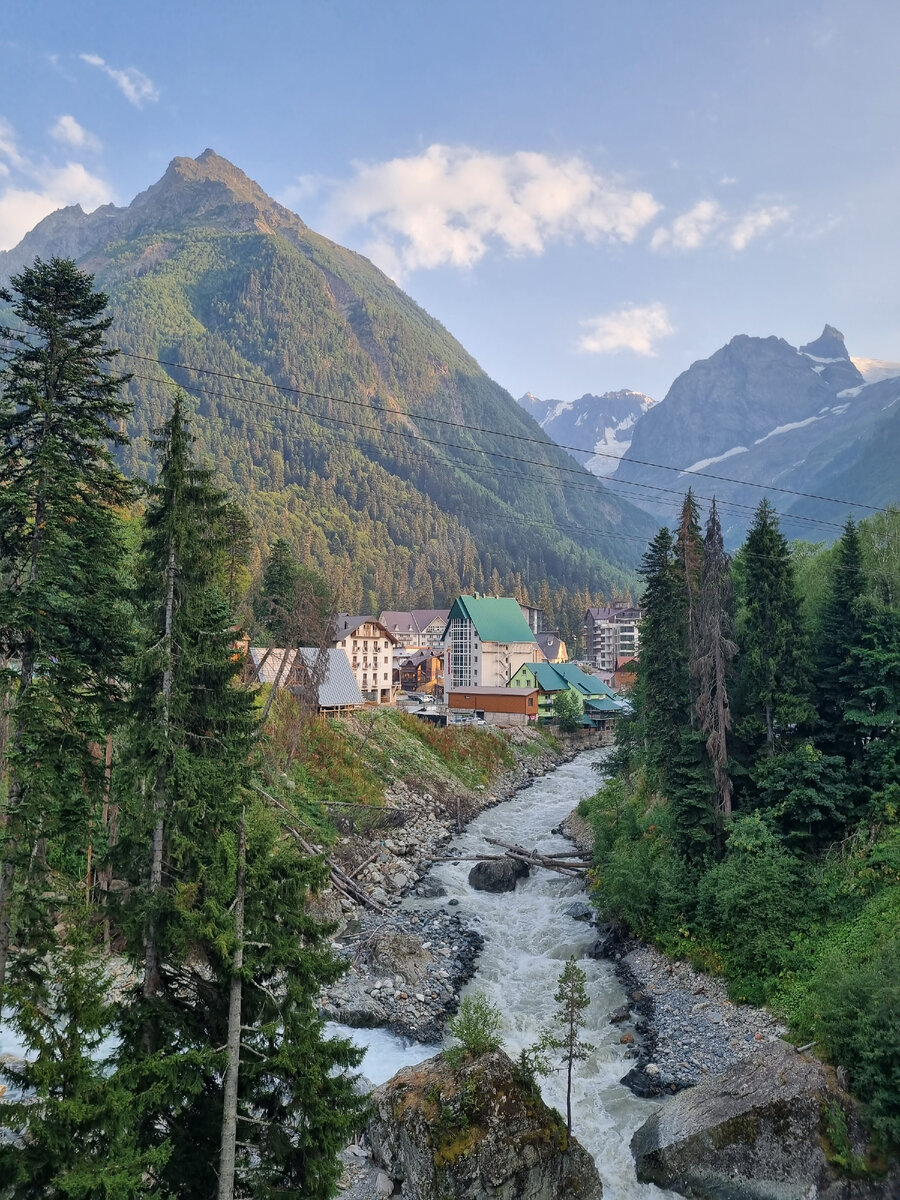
68,131
708,222
33,189
132,83
691,229
447,206
756,222
634,327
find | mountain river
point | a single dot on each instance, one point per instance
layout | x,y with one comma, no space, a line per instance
527,939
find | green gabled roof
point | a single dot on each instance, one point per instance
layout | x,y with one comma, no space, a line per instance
588,685
496,618
548,678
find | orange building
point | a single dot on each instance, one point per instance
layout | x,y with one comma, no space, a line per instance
496,705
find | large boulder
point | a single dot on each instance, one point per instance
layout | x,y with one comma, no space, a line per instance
762,1130
476,1132
498,875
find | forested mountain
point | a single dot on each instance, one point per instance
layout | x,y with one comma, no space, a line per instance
368,479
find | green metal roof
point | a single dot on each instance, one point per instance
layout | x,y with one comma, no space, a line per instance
588,685
496,618
604,704
549,679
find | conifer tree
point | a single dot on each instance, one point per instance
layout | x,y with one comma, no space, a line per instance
689,557
662,675
714,651
62,615
839,641
774,656
64,618
217,920
572,999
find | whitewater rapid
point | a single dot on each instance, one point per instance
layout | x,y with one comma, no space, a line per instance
527,941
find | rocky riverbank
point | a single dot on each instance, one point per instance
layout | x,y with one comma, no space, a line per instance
679,1024
406,965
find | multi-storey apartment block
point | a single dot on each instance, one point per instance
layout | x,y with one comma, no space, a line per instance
486,640
611,636
419,629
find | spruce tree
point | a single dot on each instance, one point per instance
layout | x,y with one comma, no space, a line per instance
689,558
65,620
714,651
839,641
217,919
662,675
774,655
572,999
61,612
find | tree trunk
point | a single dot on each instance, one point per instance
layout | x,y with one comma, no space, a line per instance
232,1071
151,950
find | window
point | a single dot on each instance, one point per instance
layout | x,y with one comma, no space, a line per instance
385,677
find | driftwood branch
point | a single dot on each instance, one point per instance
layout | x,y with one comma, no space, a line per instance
340,880
567,863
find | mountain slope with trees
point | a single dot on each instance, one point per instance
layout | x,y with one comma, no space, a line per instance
362,478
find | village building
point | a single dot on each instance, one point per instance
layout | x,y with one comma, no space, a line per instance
611,635
485,642
552,646
369,650
326,671
422,671
551,679
418,629
534,616
495,705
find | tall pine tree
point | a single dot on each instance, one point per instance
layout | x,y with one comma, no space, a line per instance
840,639
774,675
662,675
222,1042
65,621
715,648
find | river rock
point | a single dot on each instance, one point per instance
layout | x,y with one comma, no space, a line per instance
498,875
396,953
579,910
475,1133
756,1132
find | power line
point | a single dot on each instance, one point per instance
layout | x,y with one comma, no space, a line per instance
371,406
492,432
569,527
600,488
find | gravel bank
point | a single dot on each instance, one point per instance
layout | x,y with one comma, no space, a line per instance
679,1021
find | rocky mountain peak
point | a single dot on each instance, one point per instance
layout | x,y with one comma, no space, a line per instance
207,192
213,189
829,344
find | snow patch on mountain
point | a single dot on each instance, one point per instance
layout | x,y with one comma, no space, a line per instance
792,425
873,370
708,462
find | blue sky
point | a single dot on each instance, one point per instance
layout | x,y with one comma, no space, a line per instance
588,195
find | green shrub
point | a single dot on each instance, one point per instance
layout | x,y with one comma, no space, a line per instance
751,906
856,1016
477,1024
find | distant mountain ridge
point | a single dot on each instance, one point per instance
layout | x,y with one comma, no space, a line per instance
809,419
762,411
604,424
320,390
